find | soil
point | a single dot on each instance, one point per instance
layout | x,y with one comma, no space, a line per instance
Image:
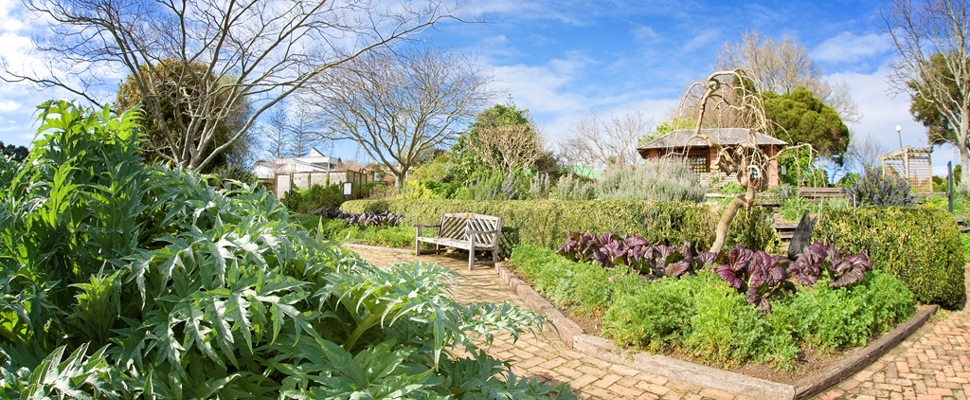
809,362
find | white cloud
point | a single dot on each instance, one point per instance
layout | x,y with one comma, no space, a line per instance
644,32
848,47
881,112
701,39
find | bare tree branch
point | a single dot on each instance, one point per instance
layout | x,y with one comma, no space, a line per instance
262,49
400,105
927,31
606,144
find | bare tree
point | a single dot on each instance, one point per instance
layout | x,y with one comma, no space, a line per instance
864,151
263,49
606,144
727,93
400,105
932,40
781,67
275,132
306,130
507,147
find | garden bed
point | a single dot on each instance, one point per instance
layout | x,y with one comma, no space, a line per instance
760,381
751,315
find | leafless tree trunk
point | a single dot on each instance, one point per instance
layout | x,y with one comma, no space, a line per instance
263,49
927,29
606,144
724,93
400,105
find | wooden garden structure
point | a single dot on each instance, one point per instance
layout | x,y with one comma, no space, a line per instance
912,164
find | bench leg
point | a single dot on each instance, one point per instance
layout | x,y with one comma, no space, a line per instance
495,257
417,247
471,258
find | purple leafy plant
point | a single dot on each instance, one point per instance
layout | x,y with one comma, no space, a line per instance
818,260
757,274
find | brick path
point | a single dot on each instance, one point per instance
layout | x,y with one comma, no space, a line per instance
932,364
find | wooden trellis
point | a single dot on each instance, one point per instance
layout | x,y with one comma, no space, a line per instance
912,164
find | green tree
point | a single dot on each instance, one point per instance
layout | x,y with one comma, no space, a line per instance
799,117
174,87
18,153
465,150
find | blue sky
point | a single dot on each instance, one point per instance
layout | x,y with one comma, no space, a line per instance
566,59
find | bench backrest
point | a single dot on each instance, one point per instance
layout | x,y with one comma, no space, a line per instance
455,225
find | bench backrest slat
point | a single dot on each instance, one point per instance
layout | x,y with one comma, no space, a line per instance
455,225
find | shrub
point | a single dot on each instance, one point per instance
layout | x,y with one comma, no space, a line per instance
653,316
569,188
306,201
878,189
546,223
725,330
920,246
127,280
793,208
665,180
829,318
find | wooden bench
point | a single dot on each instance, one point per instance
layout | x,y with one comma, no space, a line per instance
464,231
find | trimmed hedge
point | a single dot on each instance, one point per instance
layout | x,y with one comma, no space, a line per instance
546,223
920,246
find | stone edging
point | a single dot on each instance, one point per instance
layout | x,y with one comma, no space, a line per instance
573,336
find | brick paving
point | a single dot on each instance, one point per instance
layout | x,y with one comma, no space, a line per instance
932,364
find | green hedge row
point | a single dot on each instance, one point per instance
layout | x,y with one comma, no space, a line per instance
547,222
920,246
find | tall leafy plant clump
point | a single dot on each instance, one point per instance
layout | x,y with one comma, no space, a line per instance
316,197
120,279
878,189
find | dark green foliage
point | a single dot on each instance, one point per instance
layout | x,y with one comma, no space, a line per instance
932,112
918,245
17,153
878,189
120,279
306,201
547,222
801,118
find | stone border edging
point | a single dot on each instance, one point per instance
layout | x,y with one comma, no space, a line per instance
573,336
